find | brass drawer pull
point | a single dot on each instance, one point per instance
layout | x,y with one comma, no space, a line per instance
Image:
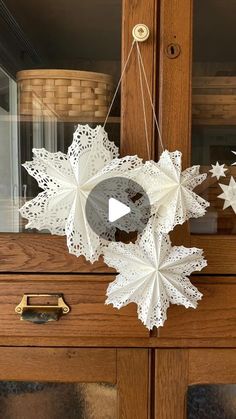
41,313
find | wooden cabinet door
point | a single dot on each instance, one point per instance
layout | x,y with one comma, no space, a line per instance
198,115
94,36
195,383
73,383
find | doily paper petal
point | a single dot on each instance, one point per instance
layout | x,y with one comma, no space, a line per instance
90,151
42,211
81,239
51,170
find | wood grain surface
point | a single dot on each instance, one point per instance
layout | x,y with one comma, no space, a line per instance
171,383
175,76
212,366
220,252
60,364
35,252
215,316
132,119
133,383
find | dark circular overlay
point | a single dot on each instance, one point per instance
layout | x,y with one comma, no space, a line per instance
126,191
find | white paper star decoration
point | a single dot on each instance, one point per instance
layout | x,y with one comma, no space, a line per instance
229,194
218,170
170,191
153,274
67,180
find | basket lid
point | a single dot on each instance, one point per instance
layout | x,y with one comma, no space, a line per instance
63,74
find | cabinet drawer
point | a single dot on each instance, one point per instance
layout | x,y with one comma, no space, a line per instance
84,294
215,316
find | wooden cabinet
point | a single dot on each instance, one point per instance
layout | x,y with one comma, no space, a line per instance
149,374
197,381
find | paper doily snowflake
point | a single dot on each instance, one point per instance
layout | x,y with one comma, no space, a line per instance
170,191
218,170
67,180
153,274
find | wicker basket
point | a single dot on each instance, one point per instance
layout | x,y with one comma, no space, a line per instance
64,93
214,99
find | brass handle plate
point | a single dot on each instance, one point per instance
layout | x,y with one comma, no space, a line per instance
41,313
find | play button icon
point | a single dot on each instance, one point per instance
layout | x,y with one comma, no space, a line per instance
116,210
117,203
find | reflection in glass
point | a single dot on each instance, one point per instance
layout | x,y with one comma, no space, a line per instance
211,401
9,167
214,106
30,400
52,35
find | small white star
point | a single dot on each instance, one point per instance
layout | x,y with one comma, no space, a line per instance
229,194
233,164
218,170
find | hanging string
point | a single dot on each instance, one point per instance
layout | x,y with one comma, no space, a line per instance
141,70
150,96
119,83
143,104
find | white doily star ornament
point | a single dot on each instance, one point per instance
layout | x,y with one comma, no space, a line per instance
153,274
67,180
229,194
170,191
218,170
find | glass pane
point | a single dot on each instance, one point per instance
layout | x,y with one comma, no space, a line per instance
30,400
211,401
214,106
42,109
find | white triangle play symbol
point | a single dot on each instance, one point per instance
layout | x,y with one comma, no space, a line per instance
116,209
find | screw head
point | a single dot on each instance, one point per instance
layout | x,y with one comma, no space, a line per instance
65,309
18,310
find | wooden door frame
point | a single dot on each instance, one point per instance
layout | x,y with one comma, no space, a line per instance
176,369
45,253
175,120
127,368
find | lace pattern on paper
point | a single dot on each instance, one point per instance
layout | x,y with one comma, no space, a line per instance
171,191
153,274
66,180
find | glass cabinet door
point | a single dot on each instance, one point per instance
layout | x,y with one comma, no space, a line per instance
211,401
214,111
9,164
198,115
42,97
73,383
22,399
196,383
